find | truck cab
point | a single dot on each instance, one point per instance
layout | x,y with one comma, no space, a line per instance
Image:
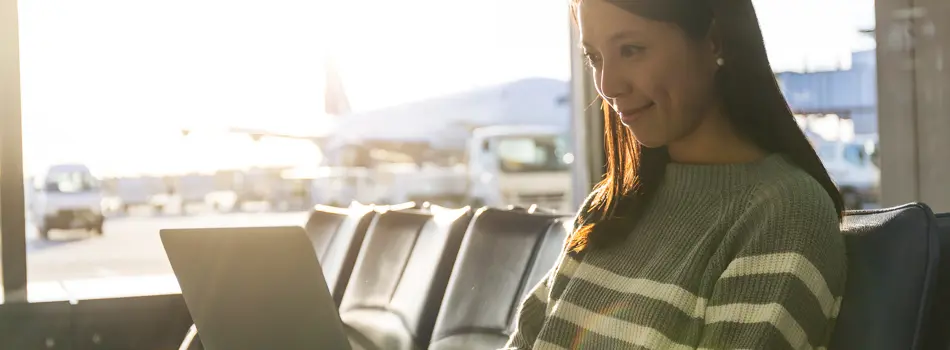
852,167
521,166
67,197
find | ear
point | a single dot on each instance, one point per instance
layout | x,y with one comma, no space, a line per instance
714,40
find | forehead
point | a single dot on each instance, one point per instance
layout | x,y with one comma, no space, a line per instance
603,21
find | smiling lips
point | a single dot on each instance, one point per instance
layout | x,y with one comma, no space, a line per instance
631,115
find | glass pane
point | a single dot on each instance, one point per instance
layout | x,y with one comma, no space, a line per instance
528,154
827,70
245,114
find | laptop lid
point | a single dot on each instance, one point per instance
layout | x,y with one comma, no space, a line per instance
254,288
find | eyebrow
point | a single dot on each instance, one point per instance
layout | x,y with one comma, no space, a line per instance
627,34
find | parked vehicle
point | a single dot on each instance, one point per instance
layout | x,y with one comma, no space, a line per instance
67,197
851,166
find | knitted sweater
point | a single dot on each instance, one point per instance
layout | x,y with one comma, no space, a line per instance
740,256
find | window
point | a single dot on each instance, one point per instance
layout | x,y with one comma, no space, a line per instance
71,182
533,154
854,154
220,120
827,151
242,114
828,69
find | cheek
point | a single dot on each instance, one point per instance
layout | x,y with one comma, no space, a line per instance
651,82
659,84
685,95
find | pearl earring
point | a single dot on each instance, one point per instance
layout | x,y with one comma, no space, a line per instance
720,61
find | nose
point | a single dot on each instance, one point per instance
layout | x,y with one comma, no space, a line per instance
611,84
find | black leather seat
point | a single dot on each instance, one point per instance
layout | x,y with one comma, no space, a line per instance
36,325
399,278
337,234
128,323
939,331
504,254
893,255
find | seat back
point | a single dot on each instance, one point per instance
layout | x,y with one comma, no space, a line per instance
400,275
939,331
36,325
336,234
892,267
505,253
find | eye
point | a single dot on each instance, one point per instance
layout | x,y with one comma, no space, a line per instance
592,59
627,51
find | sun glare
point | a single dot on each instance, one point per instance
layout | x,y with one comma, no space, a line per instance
111,83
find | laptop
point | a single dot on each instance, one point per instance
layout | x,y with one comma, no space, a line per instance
254,288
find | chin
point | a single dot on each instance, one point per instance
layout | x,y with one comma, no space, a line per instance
649,142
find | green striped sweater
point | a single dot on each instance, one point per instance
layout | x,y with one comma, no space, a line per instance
740,256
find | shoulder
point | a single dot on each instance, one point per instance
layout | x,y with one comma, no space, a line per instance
789,210
790,223
792,196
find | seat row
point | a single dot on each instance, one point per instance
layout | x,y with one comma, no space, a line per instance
427,277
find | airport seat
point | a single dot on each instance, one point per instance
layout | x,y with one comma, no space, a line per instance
504,254
892,275
337,234
394,294
45,325
152,322
939,331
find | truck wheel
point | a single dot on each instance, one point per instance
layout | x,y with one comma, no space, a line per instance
44,231
97,227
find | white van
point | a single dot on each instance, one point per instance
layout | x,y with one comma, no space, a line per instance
852,167
67,197
520,165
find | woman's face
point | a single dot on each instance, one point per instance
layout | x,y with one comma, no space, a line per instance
656,78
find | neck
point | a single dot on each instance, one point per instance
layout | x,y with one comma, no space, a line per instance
714,141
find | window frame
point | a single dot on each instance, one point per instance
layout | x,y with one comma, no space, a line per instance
901,101
12,200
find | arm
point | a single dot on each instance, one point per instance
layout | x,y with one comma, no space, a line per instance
533,310
783,288
531,316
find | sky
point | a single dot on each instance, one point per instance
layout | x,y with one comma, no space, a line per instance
111,83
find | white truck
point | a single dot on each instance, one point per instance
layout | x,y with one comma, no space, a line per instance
852,167
520,165
66,197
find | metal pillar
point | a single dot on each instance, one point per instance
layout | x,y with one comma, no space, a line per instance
914,101
12,211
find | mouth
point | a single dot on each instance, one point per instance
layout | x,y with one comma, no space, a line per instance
629,116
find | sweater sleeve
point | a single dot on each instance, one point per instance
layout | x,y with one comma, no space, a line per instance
533,310
783,288
531,316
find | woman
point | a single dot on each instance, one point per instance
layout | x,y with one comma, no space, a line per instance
716,225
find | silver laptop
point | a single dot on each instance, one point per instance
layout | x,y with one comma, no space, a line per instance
254,288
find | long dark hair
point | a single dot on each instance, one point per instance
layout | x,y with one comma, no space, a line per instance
752,101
